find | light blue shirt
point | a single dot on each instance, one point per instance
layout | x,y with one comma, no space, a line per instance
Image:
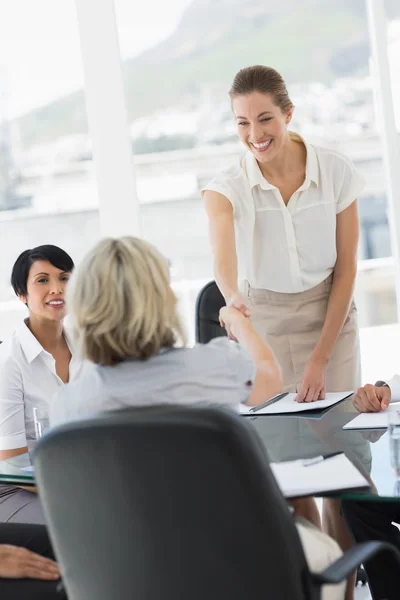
218,373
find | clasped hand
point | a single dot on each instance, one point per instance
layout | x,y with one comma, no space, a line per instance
236,307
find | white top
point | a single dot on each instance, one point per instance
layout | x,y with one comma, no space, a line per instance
288,248
218,373
394,385
28,378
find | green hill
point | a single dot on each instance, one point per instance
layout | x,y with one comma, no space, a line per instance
307,40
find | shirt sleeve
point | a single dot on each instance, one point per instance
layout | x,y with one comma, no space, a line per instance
394,385
241,366
222,187
352,185
12,407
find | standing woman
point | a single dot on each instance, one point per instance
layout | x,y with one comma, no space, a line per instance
284,233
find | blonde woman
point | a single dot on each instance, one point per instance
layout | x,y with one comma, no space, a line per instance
124,315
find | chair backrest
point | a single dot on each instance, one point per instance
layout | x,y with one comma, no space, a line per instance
208,304
168,503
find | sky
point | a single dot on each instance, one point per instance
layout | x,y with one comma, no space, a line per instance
40,52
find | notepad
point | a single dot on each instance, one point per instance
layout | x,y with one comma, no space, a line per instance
288,405
374,420
28,470
335,474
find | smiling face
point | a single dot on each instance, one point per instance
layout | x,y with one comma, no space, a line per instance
46,287
262,126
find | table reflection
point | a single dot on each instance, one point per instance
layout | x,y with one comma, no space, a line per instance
290,437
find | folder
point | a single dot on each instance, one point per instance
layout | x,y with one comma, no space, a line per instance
324,478
287,405
373,420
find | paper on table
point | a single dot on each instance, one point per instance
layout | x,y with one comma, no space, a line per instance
29,469
288,405
330,475
374,420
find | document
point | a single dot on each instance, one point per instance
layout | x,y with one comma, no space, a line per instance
319,477
374,420
28,470
288,405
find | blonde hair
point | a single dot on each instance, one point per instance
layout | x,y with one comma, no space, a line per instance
265,80
121,303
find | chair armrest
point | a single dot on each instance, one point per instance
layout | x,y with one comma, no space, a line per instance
60,591
360,553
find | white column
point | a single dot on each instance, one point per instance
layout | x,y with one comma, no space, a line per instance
378,26
107,117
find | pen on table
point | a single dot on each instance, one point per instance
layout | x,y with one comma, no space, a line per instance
308,462
268,402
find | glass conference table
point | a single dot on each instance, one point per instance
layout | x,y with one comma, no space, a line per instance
289,437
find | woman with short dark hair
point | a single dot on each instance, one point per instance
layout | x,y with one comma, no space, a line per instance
34,363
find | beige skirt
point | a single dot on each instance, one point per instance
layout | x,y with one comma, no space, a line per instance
292,325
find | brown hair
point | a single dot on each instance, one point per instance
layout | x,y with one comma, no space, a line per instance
264,80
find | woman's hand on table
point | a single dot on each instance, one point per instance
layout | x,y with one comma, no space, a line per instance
313,383
372,398
20,563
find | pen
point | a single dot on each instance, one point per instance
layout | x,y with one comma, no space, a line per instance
268,402
308,462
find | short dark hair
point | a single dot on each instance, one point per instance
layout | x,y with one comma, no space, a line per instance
53,254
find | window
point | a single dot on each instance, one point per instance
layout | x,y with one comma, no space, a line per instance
47,189
179,59
178,64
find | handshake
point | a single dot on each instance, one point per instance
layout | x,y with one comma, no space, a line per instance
234,314
231,319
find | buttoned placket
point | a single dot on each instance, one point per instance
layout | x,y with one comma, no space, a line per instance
74,366
288,210
51,363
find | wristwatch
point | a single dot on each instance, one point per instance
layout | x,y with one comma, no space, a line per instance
381,384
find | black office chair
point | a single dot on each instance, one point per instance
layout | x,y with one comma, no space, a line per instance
169,503
208,304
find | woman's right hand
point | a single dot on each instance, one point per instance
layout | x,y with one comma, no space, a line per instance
237,301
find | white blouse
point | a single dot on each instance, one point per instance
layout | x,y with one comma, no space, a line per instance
28,378
289,248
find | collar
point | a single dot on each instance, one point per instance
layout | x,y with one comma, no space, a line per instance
29,344
255,176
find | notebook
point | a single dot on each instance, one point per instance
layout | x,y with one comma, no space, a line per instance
375,420
335,474
288,405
